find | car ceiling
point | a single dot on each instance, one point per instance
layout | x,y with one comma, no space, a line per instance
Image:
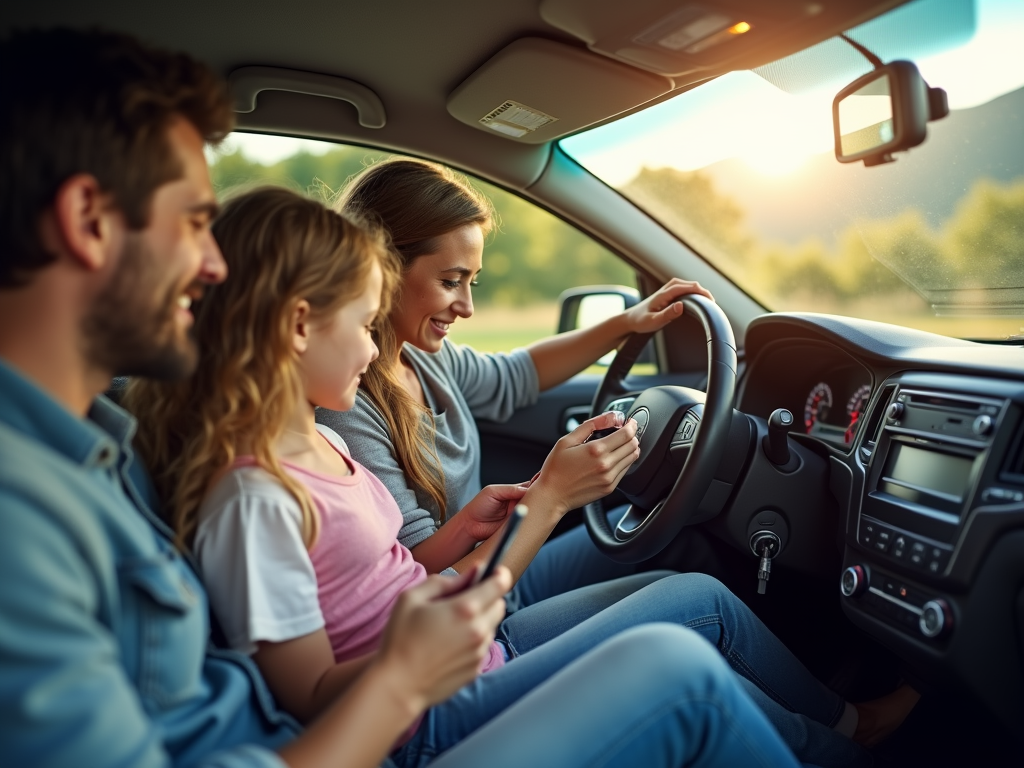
412,54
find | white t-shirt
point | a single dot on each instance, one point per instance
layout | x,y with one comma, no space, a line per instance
249,542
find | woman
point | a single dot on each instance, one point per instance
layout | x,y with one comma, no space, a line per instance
414,421
296,543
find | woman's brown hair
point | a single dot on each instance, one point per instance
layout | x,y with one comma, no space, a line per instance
416,203
280,248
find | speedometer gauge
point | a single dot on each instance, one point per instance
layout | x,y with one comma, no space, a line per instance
819,400
854,408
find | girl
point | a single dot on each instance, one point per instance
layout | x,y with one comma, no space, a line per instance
297,542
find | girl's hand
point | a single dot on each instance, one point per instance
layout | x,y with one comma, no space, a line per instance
439,634
576,473
487,511
663,306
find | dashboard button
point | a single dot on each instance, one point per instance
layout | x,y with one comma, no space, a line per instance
867,534
917,552
883,539
899,547
982,425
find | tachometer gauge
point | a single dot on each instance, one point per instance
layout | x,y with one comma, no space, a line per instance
819,400
854,408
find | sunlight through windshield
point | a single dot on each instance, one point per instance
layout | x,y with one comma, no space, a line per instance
742,169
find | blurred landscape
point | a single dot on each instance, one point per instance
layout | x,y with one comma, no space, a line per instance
933,241
530,258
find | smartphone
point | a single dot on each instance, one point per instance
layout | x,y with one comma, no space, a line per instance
514,520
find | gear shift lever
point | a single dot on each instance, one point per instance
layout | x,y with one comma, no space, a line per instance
776,443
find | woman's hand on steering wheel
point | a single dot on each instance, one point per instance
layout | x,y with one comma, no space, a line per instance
576,472
663,306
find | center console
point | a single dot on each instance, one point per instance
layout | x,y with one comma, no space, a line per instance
932,458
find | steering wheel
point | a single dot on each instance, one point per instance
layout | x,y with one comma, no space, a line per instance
675,425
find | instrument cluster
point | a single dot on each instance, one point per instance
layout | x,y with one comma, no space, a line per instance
826,389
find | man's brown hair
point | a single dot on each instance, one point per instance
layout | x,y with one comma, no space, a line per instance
98,103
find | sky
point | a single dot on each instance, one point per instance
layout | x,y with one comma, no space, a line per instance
267,149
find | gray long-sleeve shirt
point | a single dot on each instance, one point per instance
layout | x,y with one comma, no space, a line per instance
460,384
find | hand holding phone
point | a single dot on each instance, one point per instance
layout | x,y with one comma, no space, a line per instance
507,536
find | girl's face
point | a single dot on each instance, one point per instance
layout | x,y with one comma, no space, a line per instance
339,348
437,289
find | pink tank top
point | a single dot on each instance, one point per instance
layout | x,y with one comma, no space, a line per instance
361,569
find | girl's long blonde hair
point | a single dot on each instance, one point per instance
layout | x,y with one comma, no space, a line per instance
416,202
280,248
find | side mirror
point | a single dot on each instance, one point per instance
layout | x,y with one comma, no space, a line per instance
592,304
885,111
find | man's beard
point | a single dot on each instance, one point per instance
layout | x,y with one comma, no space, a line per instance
132,330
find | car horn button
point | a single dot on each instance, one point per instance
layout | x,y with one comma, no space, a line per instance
642,417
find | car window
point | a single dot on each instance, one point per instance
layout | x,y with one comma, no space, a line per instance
530,258
742,169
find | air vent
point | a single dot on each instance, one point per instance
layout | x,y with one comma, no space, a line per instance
1013,466
874,426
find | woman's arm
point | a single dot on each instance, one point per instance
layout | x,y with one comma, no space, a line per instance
574,473
437,637
562,356
475,522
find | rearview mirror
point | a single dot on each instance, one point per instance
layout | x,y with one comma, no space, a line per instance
885,111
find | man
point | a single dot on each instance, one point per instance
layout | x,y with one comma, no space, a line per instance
105,212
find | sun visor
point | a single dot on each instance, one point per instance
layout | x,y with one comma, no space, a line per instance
536,90
689,40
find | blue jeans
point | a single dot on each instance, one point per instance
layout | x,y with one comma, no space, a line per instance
569,562
800,708
653,696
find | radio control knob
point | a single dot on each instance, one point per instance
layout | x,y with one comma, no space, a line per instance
895,411
982,425
853,582
936,619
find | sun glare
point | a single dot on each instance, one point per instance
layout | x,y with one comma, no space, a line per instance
776,162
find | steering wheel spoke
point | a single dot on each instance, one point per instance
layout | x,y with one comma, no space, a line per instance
684,435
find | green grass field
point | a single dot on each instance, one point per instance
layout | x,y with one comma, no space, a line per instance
502,329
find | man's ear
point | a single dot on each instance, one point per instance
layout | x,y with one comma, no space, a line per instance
83,223
301,326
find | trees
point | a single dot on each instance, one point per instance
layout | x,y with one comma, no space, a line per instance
898,260
531,257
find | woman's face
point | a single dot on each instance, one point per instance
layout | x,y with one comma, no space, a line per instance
437,289
340,347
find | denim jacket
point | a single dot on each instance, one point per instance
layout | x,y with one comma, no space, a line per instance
104,631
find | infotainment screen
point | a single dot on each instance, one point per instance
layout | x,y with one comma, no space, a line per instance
929,470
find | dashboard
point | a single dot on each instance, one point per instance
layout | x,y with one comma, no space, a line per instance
919,440
825,388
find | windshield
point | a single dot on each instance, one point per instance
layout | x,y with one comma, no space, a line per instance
742,169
